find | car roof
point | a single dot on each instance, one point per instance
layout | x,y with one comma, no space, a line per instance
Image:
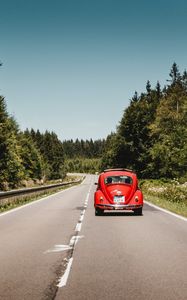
118,171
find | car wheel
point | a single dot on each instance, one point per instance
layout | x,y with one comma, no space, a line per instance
99,212
138,211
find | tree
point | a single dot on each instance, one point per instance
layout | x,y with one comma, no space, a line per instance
174,74
134,128
117,153
31,158
158,90
51,149
11,168
148,87
169,132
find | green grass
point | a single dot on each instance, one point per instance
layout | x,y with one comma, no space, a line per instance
178,208
167,194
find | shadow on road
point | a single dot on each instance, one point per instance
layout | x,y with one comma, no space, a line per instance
80,207
146,208
119,214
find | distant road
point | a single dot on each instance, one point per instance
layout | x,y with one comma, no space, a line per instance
57,249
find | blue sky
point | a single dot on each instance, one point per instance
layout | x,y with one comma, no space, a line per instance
72,66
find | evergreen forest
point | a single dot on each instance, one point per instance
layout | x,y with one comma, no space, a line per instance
151,138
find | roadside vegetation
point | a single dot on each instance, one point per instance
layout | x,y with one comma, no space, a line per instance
168,194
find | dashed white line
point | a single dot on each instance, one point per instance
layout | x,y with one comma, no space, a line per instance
78,227
81,218
64,278
75,239
73,242
83,212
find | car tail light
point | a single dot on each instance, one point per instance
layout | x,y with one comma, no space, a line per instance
136,199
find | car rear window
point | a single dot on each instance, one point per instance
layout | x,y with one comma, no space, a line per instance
122,179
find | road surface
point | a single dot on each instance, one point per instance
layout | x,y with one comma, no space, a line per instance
57,249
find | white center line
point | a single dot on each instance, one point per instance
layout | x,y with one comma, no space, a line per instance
78,227
81,218
64,278
73,242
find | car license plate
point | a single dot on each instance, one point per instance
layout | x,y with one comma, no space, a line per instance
119,199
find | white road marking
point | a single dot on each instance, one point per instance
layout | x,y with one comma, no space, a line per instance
86,201
59,248
78,227
75,239
73,242
83,212
166,211
81,218
64,278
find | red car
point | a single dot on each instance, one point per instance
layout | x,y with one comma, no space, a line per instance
117,189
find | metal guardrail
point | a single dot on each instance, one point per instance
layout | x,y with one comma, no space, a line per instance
25,191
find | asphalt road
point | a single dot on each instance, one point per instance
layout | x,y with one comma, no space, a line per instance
57,249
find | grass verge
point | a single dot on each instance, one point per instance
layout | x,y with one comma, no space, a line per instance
167,194
178,208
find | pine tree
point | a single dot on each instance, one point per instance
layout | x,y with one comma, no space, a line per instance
169,132
158,90
148,87
31,158
11,168
174,73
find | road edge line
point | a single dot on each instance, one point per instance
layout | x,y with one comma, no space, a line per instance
34,202
166,211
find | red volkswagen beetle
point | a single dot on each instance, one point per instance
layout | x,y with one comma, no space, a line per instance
117,189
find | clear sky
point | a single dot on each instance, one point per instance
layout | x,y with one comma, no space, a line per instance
71,66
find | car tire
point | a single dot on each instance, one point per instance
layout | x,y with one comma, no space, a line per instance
99,212
138,211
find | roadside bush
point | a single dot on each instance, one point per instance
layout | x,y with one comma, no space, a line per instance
171,190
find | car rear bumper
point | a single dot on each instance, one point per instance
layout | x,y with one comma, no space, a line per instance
117,206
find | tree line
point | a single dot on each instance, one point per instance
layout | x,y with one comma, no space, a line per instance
151,139
83,156
84,149
27,155
152,135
